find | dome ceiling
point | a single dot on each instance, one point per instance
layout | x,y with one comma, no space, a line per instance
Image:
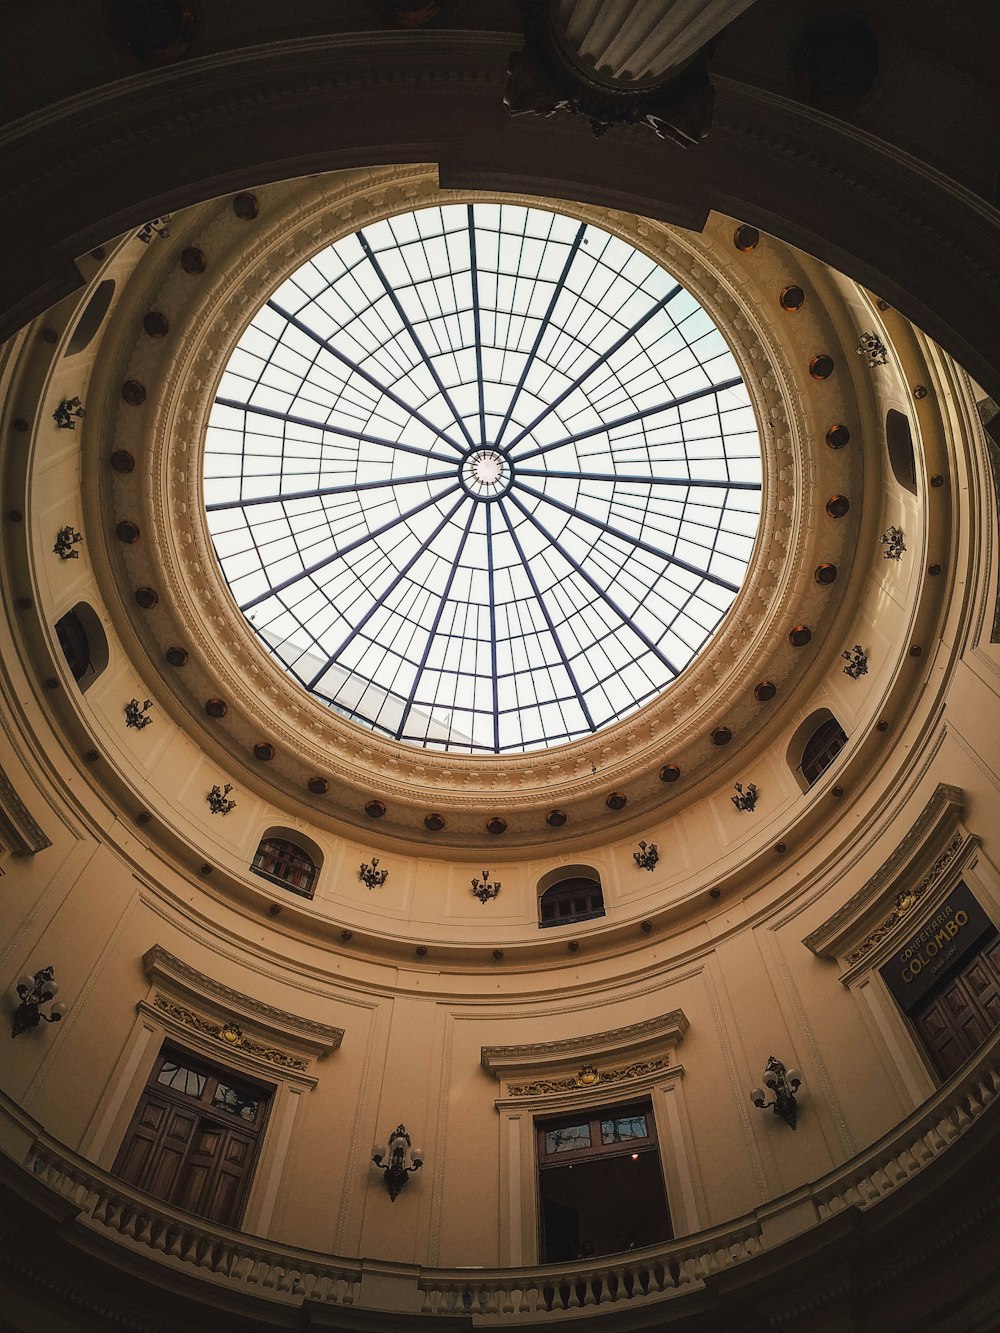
720,328
482,477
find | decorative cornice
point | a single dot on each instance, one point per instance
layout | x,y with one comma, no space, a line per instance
907,899
935,822
196,990
228,1035
638,1069
17,826
637,1041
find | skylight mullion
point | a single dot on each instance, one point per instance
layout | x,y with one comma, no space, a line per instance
639,415
363,374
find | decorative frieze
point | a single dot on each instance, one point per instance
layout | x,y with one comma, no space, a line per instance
192,990
229,1034
906,900
934,850
541,1086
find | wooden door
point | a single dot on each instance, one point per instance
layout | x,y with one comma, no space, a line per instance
194,1138
957,1019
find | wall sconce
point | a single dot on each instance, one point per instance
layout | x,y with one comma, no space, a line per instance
397,1171
783,1084
68,413
32,992
744,800
218,799
136,716
892,540
66,539
371,875
483,889
857,662
647,856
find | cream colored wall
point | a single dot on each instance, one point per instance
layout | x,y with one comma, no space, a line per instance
107,889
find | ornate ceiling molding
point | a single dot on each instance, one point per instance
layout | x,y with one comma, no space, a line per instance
176,557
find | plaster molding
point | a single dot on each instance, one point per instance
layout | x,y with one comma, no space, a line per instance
938,821
192,991
18,828
634,1043
167,436
639,1069
210,1027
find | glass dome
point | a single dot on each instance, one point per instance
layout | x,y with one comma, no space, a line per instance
482,477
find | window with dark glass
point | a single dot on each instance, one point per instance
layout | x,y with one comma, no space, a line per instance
822,748
600,1183
570,900
286,863
195,1137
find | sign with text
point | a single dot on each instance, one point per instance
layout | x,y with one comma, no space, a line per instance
946,939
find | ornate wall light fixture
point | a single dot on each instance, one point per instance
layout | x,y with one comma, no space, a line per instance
873,349
744,800
783,1084
857,662
647,856
68,413
217,802
155,227
397,1169
32,993
135,716
66,539
371,875
483,889
892,539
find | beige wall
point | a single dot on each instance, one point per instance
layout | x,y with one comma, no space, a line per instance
108,888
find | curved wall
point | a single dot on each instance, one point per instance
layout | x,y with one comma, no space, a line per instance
380,1004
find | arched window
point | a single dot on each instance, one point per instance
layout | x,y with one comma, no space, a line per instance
571,894
899,442
286,863
84,644
815,745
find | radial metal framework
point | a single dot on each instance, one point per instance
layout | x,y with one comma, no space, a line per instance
483,477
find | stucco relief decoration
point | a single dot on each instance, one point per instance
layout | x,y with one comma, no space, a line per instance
313,736
230,1034
543,1086
906,900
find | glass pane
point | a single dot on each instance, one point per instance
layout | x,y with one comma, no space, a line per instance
483,478
623,1128
237,1102
179,1078
567,1139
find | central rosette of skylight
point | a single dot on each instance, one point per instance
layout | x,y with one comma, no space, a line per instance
482,477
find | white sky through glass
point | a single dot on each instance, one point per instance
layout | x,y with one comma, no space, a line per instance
483,477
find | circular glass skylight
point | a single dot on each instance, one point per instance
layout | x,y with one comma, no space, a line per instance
483,477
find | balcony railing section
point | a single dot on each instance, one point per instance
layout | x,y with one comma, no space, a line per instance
504,1295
